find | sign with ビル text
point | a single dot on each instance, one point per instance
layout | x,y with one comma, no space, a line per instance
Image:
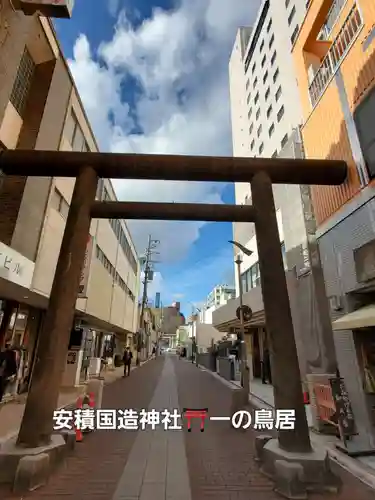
15,267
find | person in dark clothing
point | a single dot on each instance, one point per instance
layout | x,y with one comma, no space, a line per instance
127,359
8,368
154,352
266,367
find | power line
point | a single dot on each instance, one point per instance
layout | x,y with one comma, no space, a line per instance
150,251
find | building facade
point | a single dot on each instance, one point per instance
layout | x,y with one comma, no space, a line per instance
218,297
266,116
266,112
40,109
171,320
335,62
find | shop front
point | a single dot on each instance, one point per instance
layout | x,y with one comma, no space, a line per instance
359,328
19,321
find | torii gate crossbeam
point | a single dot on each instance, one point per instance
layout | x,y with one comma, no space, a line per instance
37,423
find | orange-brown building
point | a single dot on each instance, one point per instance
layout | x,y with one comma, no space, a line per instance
334,56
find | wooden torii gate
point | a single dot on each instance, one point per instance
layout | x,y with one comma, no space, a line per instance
37,424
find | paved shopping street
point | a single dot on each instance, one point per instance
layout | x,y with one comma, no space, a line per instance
171,465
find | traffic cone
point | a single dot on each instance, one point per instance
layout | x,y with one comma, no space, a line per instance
79,435
306,398
91,400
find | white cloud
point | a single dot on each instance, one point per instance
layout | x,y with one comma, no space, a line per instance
113,6
179,60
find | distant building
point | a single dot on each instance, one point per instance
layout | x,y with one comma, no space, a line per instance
171,320
218,297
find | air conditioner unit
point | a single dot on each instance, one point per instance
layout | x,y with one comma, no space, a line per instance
46,8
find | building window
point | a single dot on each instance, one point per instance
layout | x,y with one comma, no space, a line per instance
248,98
253,68
263,61
258,114
261,148
255,83
251,128
294,34
78,139
256,98
265,77
269,111
248,84
276,75
59,203
284,140
280,113
269,26
70,126
278,94
251,278
124,243
250,112
262,46
273,58
99,189
22,83
106,196
271,130
287,2
73,133
364,119
259,131
274,154
267,94
252,144
271,41
291,15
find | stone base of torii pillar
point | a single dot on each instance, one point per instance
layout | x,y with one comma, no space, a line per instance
295,474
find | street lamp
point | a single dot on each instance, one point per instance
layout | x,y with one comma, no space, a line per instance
245,377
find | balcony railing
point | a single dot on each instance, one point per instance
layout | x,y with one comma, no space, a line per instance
338,50
332,16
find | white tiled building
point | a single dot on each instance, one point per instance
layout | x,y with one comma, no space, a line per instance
265,109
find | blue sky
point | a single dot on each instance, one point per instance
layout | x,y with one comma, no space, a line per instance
153,76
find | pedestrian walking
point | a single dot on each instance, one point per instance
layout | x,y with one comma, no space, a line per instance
127,359
8,369
266,367
154,352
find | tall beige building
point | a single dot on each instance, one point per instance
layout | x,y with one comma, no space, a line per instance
40,109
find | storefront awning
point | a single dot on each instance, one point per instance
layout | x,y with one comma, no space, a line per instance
362,318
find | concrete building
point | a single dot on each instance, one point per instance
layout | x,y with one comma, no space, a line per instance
151,327
273,112
335,60
40,109
172,319
265,111
218,297
266,116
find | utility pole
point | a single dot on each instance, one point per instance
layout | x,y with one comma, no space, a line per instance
152,244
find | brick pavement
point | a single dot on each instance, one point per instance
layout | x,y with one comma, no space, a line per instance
221,460
93,470
170,465
11,412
